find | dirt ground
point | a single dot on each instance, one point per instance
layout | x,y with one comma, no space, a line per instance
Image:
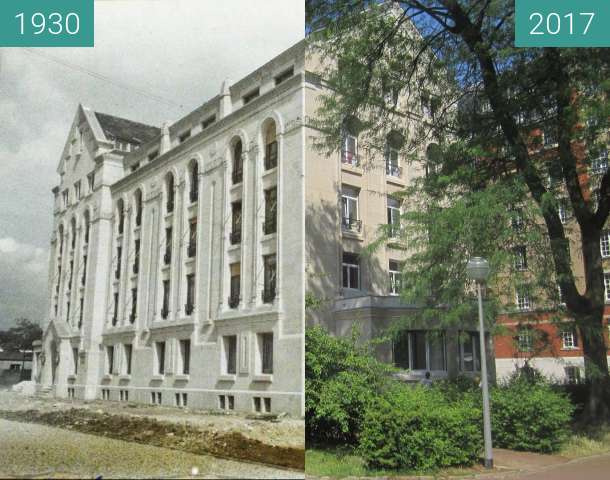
273,442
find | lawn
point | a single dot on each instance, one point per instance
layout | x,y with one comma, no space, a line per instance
586,442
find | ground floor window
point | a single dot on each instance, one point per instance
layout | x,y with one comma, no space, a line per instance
420,350
470,352
572,374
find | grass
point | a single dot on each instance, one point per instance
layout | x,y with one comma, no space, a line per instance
344,462
587,442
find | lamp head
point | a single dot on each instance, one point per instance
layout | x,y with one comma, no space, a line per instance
478,269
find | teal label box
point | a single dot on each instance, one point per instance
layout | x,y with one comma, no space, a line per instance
562,23
46,23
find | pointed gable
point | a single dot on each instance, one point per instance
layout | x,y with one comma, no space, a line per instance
116,128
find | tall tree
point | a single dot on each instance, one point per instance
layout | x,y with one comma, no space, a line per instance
515,134
21,336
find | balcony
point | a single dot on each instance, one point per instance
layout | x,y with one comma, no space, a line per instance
393,170
167,258
237,176
351,224
270,226
189,308
233,300
164,313
235,237
268,294
191,250
350,158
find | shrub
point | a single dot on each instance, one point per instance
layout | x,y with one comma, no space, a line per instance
529,416
416,428
341,378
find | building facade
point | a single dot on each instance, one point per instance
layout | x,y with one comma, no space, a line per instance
176,266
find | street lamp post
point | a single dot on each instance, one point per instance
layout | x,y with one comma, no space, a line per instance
478,270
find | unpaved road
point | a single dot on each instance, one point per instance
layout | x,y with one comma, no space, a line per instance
38,451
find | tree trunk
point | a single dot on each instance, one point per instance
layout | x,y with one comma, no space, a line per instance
593,335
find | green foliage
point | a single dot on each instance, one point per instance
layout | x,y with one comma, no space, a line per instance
341,379
529,415
418,428
21,336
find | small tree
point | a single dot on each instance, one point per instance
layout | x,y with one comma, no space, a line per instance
20,337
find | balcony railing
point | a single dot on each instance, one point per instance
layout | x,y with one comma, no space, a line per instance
235,237
237,176
350,158
270,226
188,308
268,294
352,224
167,258
164,313
191,251
233,300
393,170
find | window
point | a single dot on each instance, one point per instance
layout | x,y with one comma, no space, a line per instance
270,278
73,233
192,245
65,198
230,352
134,305
169,188
393,211
265,343
84,277
525,340
248,97
392,167
68,312
208,121
194,191
91,181
235,237
237,175
235,285
599,165
121,216
71,275
87,227
184,136
110,360
420,350
81,312
152,155
190,294
181,399
138,201
470,352
185,356
128,350
285,75
607,286
270,225
77,191
167,257
349,198
165,307
160,358
136,257
572,374
349,151
516,221
604,243
395,277
563,210
523,299
351,270
75,361
135,166
270,146
568,340
520,258
550,137
115,315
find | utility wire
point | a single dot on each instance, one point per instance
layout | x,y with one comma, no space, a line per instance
103,78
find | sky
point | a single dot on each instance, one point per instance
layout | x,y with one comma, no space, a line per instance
153,61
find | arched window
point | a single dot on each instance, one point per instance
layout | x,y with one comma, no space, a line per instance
60,233
73,233
169,187
238,171
120,211
194,179
87,225
270,146
138,206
